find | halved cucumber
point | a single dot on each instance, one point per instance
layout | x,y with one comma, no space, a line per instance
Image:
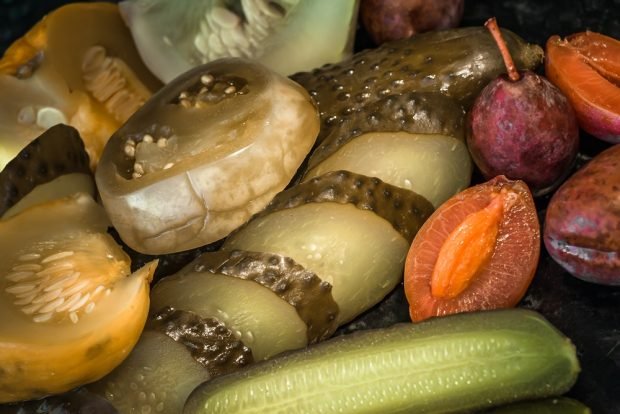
434,166
259,317
457,363
70,310
352,231
354,250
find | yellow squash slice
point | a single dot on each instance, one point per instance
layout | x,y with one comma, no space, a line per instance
71,311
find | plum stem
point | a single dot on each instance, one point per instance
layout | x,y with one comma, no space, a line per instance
513,73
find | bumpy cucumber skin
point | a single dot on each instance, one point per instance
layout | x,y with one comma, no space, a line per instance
457,63
560,405
456,363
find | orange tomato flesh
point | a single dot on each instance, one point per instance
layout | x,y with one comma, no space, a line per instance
600,52
466,250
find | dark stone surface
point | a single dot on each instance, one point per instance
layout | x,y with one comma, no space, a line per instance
589,314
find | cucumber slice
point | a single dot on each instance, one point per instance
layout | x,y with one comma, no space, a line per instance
211,344
403,209
302,289
456,363
157,377
258,317
432,165
352,231
354,250
60,187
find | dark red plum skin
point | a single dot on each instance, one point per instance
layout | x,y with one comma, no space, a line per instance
525,130
582,224
388,20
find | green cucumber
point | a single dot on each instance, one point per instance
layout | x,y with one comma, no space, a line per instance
561,405
460,362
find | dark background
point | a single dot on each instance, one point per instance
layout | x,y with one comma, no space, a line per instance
534,20
589,314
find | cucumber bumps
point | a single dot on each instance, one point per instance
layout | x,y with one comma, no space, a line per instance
462,362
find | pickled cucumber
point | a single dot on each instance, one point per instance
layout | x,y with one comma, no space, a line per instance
457,63
351,230
561,405
460,362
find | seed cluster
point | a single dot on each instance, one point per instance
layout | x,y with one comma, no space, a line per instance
111,82
224,32
211,90
157,139
50,288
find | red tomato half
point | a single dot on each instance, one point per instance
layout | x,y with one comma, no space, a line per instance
447,270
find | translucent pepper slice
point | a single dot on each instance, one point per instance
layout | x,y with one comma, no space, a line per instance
77,66
288,36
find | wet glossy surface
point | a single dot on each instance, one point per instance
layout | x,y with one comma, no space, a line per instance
588,313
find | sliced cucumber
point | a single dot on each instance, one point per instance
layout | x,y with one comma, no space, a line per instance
261,319
359,253
353,231
157,377
432,165
305,291
62,186
461,362
208,340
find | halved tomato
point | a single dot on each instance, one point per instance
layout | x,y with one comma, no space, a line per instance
478,251
586,67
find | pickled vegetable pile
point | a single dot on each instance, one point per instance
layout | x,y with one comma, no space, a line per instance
195,198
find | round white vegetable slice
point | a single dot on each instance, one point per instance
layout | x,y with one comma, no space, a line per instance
205,153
